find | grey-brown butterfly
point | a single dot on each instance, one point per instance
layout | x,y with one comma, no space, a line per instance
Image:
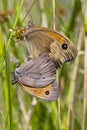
37,76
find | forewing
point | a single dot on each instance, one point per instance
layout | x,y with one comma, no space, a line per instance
38,43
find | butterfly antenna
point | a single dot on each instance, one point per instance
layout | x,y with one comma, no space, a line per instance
28,11
31,22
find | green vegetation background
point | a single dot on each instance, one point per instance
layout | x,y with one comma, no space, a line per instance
19,110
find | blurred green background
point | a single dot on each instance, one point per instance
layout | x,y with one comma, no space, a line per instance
21,111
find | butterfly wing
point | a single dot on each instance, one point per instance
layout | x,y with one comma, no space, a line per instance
41,40
36,72
30,76
50,92
37,43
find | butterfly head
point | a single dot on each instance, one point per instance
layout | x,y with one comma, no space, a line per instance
14,79
17,33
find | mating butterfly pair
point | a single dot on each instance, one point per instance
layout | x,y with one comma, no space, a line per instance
49,50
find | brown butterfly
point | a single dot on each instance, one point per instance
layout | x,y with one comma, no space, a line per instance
37,76
43,40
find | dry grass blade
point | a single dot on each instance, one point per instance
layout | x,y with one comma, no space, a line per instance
27,115
43,16
54,27
85,73
73,83
85,86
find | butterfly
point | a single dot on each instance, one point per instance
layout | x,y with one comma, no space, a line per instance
41,40
37,76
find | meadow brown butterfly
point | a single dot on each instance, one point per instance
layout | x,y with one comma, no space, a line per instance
41,40
37,76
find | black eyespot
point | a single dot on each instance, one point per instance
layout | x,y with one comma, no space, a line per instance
47,92
64,46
